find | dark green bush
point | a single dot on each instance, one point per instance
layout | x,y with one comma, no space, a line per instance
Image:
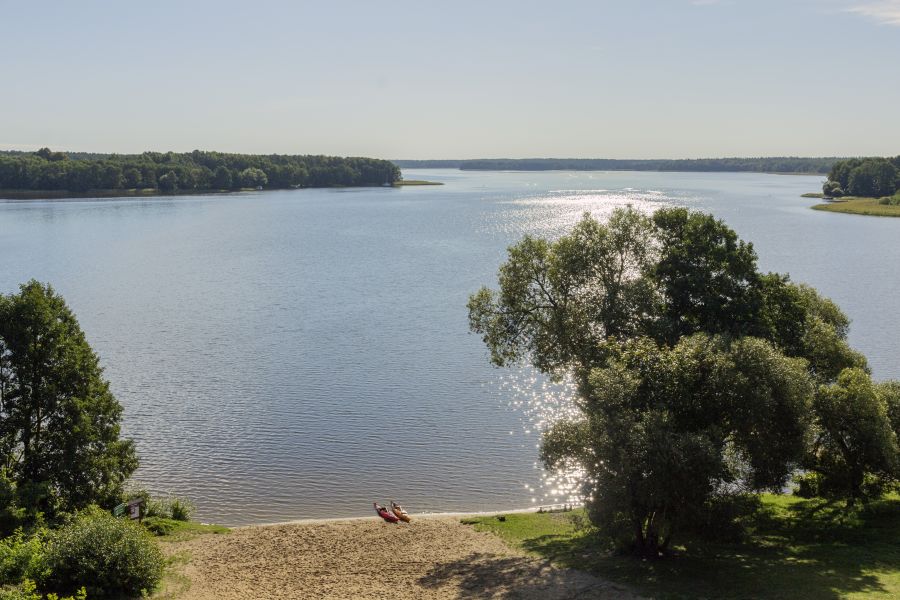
817,485
110,557
808,485
159,525
723,518
180,509
832,189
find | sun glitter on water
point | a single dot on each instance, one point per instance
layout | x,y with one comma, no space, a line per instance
541,402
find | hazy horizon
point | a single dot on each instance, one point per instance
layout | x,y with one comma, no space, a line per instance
408,81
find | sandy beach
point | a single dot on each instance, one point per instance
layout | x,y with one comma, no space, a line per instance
433,557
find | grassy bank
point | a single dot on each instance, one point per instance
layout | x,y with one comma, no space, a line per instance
795,549
861,206
172,530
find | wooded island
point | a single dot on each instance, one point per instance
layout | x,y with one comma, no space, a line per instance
197,171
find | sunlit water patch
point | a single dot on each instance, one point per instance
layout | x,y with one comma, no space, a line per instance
552,213
539,403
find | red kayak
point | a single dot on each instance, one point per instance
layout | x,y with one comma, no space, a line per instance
385,513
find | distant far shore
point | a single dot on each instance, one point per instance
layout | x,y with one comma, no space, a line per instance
793,165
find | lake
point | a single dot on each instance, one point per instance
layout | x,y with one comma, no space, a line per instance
292,354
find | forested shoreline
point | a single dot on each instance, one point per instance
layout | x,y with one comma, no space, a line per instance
778,164
197,171
866,177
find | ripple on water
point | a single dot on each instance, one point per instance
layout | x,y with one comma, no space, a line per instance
303,353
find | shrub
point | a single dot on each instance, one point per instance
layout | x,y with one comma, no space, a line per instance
159,525
21,557
809,485
170,507
28,591
832,189
180,510
723,518
110,557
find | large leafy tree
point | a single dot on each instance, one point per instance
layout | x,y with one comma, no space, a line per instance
694,370
559,300
707,276
855,452
59,422
664,429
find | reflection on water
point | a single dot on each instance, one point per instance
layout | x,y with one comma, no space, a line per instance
540,403
302,353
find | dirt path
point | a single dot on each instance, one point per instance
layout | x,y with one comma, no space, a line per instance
431,558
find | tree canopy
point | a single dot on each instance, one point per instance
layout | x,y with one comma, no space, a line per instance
697,375
192,171
869,177
59,423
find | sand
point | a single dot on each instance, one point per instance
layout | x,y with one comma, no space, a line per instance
435,557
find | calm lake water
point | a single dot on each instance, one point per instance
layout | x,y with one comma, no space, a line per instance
293,354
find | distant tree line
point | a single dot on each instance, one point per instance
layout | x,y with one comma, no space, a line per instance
869,177
192,171
429,164
783,164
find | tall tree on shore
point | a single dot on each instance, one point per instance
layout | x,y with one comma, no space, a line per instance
59,422
695,372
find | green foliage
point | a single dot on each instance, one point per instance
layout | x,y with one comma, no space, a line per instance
191,171
808,485
696,373
856,452
889,392
722,518
11,515
873,178
159,526
169,507
253,177
867,177
110,557
180,509
168,182
222,178
559,300
681,413
28,591
832,189
59,422
890,200
21,556
707,276
776,164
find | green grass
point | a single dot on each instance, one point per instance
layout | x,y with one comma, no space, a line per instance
804,549
860,206
405,182
813,195
171,530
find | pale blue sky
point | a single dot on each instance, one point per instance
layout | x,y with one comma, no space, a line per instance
601,78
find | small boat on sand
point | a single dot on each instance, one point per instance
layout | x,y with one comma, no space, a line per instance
385,513
400,513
